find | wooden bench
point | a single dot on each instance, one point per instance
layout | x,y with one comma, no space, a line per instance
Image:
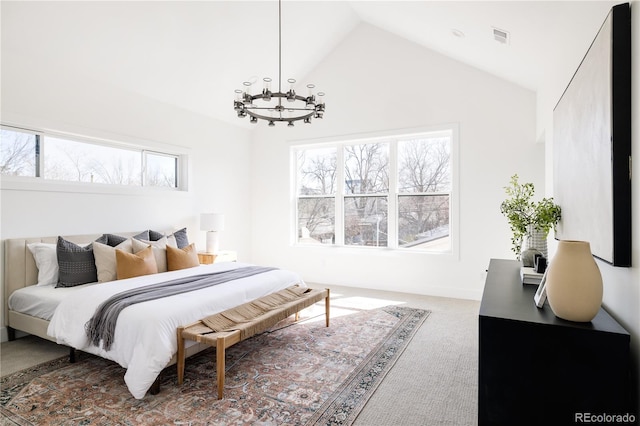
274,307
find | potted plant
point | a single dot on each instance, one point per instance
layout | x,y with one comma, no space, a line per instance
528,219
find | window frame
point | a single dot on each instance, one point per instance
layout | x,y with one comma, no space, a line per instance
40,183
451,130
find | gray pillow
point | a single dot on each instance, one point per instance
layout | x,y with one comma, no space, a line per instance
113,240
144,235
181,237
76,264
155,235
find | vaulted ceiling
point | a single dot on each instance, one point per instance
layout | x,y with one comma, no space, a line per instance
194,54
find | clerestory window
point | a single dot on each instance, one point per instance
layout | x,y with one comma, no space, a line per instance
62,158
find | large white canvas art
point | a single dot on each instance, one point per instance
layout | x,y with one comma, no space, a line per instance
589,151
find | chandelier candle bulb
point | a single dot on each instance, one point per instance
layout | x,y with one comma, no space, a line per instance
310,98
266,91
291,94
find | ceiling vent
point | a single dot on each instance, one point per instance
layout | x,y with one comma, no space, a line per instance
501,36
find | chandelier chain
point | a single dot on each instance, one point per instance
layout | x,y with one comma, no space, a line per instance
280,47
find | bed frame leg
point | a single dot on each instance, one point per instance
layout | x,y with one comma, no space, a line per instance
11,333
72,355
155,387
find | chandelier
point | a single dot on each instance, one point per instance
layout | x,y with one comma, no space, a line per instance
278,106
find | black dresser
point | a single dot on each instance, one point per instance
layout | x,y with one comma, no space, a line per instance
535,368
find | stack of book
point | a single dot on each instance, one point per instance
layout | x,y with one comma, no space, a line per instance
530,276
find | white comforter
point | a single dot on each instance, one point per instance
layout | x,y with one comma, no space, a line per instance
145,335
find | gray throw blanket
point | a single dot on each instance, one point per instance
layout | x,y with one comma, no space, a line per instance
102,326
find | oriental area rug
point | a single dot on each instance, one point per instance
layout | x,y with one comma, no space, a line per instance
294,374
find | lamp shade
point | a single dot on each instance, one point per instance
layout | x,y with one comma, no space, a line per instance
211,222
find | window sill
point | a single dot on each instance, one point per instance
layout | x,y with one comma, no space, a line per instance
366,250
23,183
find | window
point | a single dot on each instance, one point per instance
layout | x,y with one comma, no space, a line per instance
18,153
40,155
160,169
316,195
390,192
366,194
424,192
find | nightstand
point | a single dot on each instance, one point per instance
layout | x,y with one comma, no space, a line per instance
222,256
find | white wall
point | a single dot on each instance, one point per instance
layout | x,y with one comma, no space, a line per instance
377,82
218,156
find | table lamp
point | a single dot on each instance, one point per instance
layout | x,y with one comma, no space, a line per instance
213,223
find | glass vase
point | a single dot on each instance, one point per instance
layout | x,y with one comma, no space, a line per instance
536,240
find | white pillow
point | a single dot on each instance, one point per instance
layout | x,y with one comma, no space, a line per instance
46,261
159,249
105,257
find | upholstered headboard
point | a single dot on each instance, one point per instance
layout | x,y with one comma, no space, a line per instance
19,266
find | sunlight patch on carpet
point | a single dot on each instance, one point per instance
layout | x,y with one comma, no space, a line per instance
363,303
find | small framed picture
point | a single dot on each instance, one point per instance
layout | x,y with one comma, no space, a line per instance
541,294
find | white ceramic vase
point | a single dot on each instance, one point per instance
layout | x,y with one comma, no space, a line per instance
574,282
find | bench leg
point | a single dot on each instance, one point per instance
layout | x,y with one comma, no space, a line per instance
326,308
220,367
180,356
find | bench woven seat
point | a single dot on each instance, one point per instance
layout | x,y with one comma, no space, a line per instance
234,325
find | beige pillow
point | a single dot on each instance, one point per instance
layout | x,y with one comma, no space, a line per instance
183,258
159,250
129,265
105,257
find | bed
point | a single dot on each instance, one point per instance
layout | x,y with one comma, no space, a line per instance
145,334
